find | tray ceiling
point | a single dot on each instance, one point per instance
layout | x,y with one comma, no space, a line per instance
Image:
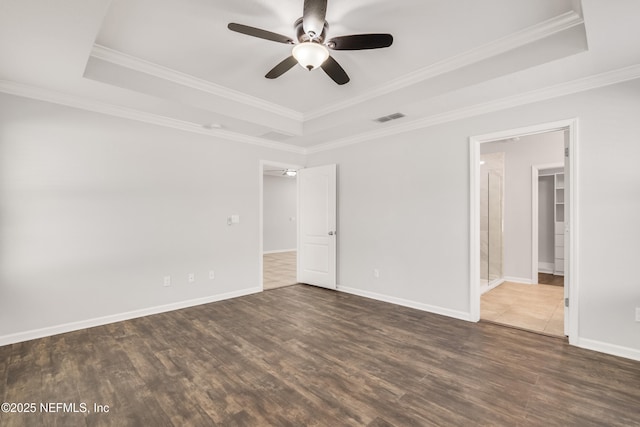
175,60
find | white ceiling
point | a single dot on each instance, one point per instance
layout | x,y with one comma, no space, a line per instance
174,62
192,37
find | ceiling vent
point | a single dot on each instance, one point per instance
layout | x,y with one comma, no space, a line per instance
388,118
276,136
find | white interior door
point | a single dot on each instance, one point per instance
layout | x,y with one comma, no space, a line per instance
317,226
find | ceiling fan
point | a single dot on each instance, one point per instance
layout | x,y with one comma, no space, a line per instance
284,172
311,50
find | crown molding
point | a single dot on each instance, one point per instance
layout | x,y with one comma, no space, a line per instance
41,94
550,92
555,91
526,36
127,61
512,41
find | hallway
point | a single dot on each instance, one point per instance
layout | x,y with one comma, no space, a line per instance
279,270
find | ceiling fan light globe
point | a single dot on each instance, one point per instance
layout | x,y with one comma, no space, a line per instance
310,55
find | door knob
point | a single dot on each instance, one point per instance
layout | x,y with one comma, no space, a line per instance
331,233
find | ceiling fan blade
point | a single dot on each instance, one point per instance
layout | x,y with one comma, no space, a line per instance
315,12
360,42
261,34
335,71
281,68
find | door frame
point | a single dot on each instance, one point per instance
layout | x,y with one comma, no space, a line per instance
261,168
571,266
535,206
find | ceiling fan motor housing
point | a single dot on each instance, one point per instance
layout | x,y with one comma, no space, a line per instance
304,37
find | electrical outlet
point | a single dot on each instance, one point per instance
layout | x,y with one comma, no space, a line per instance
376,273
212,275
167,281
192,277
637,314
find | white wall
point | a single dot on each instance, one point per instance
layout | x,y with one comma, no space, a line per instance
403,209
96,210
413,222
280,210
520,156
546,221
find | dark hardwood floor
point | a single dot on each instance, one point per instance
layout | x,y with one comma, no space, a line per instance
301,355
550,279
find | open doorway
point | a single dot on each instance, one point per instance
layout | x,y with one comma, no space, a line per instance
505,228
548,213
508,217
279,218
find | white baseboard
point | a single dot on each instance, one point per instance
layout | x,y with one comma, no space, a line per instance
99,321
520,280
603,347
546,267
279,251
407,303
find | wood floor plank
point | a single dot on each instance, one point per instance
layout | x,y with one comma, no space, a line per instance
305,356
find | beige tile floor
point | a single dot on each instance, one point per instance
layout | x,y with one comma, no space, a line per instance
537,308
279,270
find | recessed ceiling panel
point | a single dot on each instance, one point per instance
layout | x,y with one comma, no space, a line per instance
191,36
